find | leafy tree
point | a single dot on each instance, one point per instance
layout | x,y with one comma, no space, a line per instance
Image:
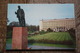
33,28
14,23
42,32
49,30
7,20
72,33
9,31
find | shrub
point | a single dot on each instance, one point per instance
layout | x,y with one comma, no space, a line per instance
42,32
49,30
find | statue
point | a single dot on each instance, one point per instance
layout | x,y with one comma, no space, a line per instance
21,16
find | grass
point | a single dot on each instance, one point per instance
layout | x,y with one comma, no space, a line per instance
56,36
9,41
54,45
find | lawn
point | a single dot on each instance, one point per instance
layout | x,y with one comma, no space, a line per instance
56,36
60,39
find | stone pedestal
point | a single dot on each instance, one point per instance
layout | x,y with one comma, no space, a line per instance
19,38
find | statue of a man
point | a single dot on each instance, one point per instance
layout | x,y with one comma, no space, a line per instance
21,16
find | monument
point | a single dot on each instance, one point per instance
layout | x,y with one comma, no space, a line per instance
19,36
21,16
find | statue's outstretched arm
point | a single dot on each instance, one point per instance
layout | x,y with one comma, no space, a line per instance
15,12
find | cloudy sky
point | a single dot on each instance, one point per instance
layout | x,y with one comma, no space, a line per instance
36,12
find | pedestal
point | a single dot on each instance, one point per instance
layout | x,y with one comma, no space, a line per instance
19,38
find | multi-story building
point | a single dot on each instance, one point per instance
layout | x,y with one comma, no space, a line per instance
57,24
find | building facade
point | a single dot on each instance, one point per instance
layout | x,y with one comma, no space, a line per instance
57,24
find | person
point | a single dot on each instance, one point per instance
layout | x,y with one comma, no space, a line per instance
21,16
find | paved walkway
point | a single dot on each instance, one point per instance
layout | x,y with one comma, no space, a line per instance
8,46
47,47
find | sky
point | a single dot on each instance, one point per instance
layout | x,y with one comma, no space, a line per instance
36,12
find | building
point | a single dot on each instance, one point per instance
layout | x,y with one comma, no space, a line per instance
57,24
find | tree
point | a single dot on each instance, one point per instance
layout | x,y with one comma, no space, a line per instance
42,32
14,23
7,20
9,31
37,28
33,28
49,30
72,33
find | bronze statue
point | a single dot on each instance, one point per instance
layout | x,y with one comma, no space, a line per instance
21,16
